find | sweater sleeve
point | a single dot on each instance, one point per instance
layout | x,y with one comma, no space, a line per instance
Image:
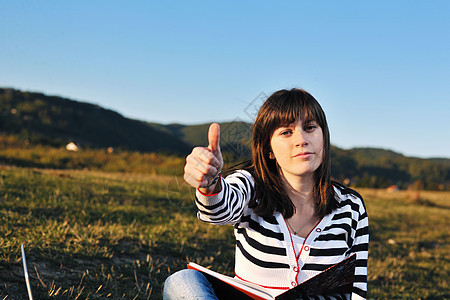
227,206
361,248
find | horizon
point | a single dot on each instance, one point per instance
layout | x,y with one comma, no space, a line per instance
226,122
379,70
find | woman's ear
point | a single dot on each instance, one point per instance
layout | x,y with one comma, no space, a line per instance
271,156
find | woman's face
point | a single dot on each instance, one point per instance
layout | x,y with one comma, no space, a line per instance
297,148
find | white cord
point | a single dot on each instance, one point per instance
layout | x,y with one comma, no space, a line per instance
25,270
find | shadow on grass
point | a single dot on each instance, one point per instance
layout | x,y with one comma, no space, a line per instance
123,215
134,270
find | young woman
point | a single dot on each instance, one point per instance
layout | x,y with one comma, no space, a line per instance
291,222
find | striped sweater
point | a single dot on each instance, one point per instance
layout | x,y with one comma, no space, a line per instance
265,253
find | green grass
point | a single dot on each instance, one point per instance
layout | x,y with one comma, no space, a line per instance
17,153
97,235
410,244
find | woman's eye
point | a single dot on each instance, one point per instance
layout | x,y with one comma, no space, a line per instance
286,132
310,128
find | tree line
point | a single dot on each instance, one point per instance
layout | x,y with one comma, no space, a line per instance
34,121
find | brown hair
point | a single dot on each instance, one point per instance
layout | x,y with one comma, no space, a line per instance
282,108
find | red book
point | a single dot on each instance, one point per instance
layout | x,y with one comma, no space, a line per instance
338,279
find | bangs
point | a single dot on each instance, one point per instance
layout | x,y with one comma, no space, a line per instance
282,109
292,107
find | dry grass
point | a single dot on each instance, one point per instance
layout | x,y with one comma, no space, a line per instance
95,235
410,244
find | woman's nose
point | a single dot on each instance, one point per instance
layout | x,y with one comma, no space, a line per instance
301,139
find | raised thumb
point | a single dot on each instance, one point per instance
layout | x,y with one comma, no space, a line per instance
214,138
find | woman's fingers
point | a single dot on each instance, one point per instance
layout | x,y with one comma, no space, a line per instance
200,170
197,179
207,156
193,181
204,163
201,167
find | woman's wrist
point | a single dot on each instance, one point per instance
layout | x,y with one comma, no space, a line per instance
213,188
214,181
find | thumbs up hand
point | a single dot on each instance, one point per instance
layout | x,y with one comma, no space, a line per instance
204,164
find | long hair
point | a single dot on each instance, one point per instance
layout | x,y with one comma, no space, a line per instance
282,108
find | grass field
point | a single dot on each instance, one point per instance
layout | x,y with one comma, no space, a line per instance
96,235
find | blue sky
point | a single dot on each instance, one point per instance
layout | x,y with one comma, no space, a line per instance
380,69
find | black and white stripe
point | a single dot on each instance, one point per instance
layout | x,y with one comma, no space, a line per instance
264,251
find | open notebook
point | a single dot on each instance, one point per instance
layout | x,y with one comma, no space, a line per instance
338,279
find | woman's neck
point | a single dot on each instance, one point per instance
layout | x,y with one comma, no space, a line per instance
300,191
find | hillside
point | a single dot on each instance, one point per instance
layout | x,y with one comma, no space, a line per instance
365,167
234,136
369,167
42,119
38,119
